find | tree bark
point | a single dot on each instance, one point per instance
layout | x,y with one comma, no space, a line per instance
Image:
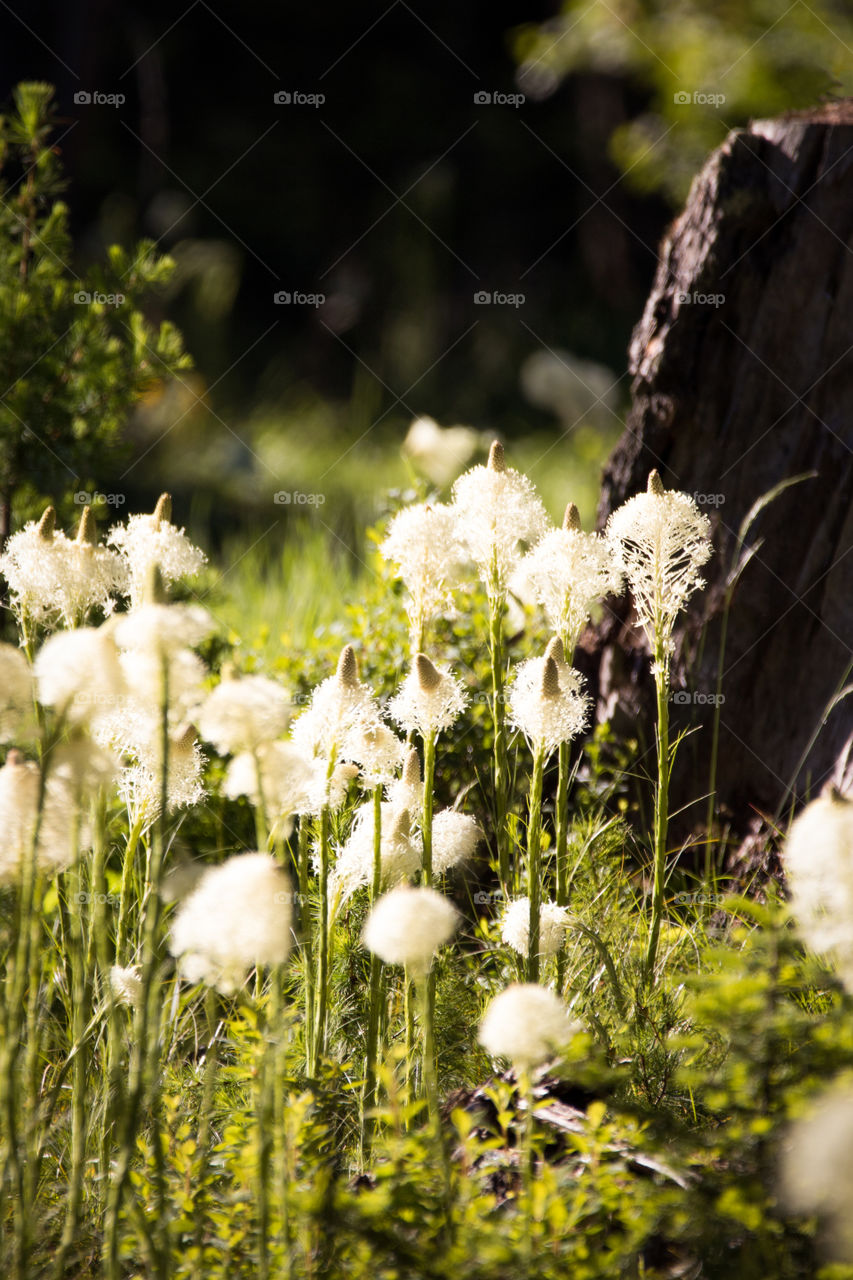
742,370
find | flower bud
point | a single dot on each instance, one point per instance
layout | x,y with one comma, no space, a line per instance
655,484
572,519
87,533
163,510
347,670
428,678
497,461
47,524
550,678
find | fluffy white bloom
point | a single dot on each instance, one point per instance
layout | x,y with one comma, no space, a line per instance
238,916
91,575
407,791
407,926
527,1024
79,673
660,540
817,1165
16,695
547,702
439,452
140,783
455,836
496,509
399,854
423,545
143,677
338,706
818,861
149,540
163,629
19,792
515,927
290,783
126,984
376,749
241,714
430,699
567,572
86,766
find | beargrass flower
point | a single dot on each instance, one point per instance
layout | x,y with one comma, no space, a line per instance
566,572
376,749
149,540
400,855
430,699
126,984
338,706
407,926
547,702
422,544
816,1166
438,452
140,783
497,510
79,673
553,922
660,540
407,791
16,695
19,815
241,714
818,861
239,916
527,1024
455,837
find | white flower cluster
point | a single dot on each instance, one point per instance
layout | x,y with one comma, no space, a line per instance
567,572
149,540
527,1024
55,845
547,702
553,922
660,540
816,1165
399,852
497,510
430,699
238,916
407,926
422,542
818,861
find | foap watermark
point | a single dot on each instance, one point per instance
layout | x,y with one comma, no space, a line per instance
486,298
295,498
687,697
95,98
709,499
103,899
296,98
84,499
84,299
701,899
493,897
287,898
698,98
495,98
288,298
697,299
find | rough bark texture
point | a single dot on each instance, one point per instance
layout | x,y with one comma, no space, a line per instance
743,377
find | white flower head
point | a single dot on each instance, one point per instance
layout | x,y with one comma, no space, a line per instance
455,837
16,695
816,1167
430,699
240,715
79,674
149,540
566,572
126,984
238,916
376,749
140,783
423,545
818,861
399,854
527,1024
87,767
338,705
660,540
163,629
407,791
19,803
547,702
515,927
290,783
407,926
497,509
439,452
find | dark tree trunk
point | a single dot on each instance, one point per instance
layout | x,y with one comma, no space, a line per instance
743,378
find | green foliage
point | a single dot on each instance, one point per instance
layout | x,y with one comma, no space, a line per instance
76,351
703,68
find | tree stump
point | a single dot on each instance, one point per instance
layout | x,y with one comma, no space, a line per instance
742,370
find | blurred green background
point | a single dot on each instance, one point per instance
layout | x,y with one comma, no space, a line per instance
515,149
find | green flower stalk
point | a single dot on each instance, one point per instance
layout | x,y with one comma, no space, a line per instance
548,705
660,540
497,510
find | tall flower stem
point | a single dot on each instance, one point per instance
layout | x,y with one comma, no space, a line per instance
124,893
534,863
661,817
496,655
264,1121
211,1071
304,870
562,843
426,823
321,1024
376,979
